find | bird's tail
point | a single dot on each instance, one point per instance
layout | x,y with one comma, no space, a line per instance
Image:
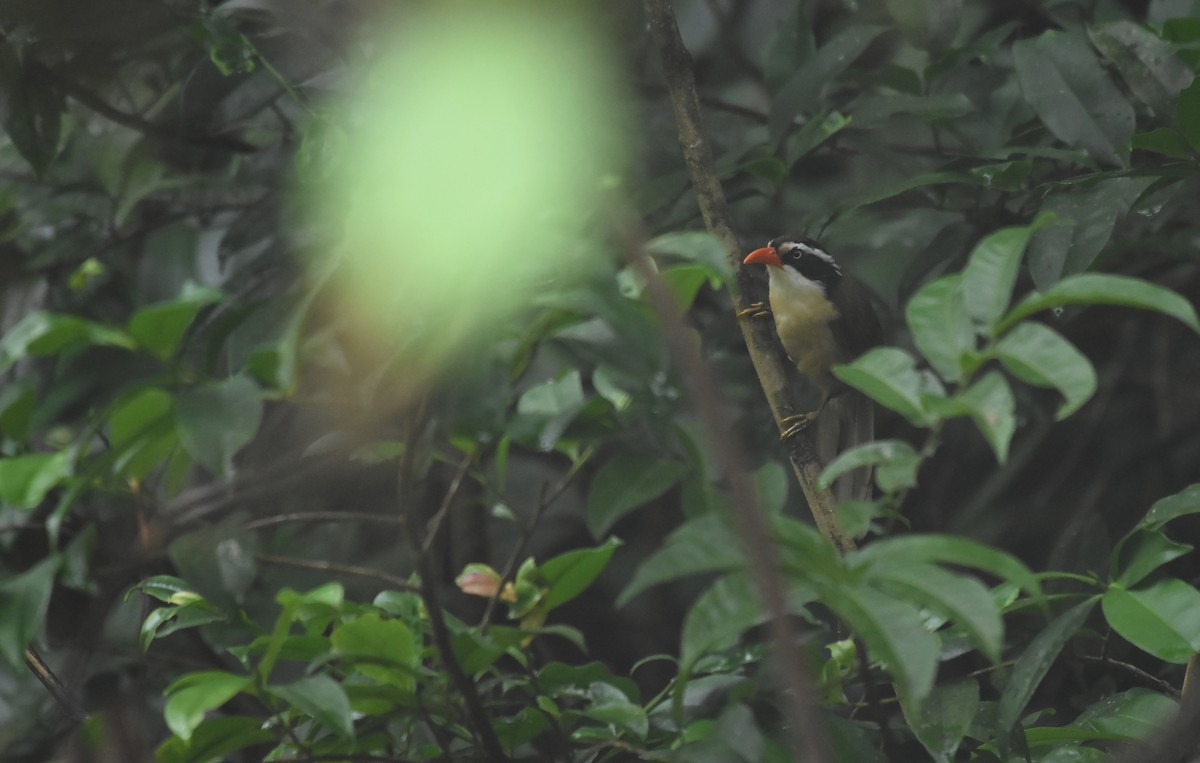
846,420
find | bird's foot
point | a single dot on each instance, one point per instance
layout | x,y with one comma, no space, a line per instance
756,310
798,423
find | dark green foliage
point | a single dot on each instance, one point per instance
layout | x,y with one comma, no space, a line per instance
227,513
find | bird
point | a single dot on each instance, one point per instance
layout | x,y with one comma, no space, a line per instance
823,318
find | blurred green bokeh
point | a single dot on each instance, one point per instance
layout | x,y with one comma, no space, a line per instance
478,150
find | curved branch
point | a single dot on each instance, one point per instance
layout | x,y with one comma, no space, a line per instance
765,352
805,724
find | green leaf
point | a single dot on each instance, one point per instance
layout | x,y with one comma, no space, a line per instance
1032,666
45,333
1187,113
895,461
946,549
802,93
1104,289
1163,140
684,282
1146,62
1065,83
142,431
216,420
700,247
553,405
1186,501
193,695
991,271
24,599
611,706
990,403
942,720
218,559
728,608
322,698
216,738
1004,176
955,597
25,480
1162,619
384,650
878,109
937,317
17,402
889,376
159,328
1086,217
697,546
630,480
894,633
1141,553
928,24
815,132
568,575
33,110
1132,714
1039,355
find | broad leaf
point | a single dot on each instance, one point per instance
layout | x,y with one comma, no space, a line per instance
631,479
1146,62
889,376
384,650
894,633
322,698
895,462
193,695
1162,619
1032,666
159,328
699,545
216,420
1039,355
1065,83
24,599
990,403
946,549
1186,501
569,574
991,272
943,718
955,597
937,317
1104,289
25,480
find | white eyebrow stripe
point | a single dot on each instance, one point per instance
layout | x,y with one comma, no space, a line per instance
819,253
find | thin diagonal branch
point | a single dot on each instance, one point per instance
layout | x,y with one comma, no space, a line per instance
806,727
765,351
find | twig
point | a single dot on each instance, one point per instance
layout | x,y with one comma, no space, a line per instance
431,594
1163,686
322,516
61,695
97,104
394,581
435,522
765,351
548,497
806,728
1178,739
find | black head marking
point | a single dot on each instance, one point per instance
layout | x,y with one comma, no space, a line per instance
807,256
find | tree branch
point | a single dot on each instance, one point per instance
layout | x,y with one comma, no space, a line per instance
765,352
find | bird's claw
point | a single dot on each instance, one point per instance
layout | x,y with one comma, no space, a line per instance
756,310
797,424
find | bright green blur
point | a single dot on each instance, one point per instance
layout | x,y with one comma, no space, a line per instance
477,152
